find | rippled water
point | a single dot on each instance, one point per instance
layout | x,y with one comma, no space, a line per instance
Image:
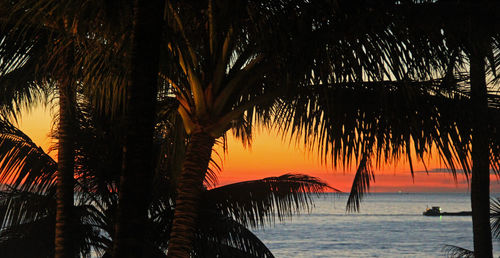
389,225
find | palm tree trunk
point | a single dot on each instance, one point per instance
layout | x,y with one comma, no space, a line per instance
137,172
64,177
480,181
189,189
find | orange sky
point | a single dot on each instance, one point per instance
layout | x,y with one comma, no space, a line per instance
270,156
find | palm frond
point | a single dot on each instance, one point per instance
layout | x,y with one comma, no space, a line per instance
495,217
21,207
18,86
453,251
216,163
341,116
257,202
98,150
338,120
36,238
223,236
29,218
172,140
395,49
361,183
23,164
216,235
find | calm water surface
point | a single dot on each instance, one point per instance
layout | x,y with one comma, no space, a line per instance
389,225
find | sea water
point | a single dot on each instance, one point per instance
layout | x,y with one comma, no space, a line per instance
388,225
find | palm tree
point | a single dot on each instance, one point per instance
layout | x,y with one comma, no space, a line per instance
21,64
436,123
100,27
137,172
65,172
227,210
227,74
49,42
476,40
480,180
476,37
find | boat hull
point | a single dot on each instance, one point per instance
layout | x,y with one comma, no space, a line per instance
461,213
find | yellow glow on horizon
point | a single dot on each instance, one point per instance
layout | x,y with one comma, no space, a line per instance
36,123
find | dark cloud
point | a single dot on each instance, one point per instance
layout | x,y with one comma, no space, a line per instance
440,170
445,170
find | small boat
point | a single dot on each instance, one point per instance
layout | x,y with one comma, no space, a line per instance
436,211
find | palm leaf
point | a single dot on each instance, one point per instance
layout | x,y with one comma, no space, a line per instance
35,237
495,217
457,252
29,218
24,165
253,203
17,80
21,207
361,183
339,120
223,236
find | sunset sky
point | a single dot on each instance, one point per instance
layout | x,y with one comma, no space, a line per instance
269,156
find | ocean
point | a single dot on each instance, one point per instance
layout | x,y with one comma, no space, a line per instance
388,225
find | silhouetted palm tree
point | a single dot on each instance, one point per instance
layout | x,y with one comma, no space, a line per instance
420,126
227,73
232,72
50,40
226,212
61,74
137,174
478,48
475,37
